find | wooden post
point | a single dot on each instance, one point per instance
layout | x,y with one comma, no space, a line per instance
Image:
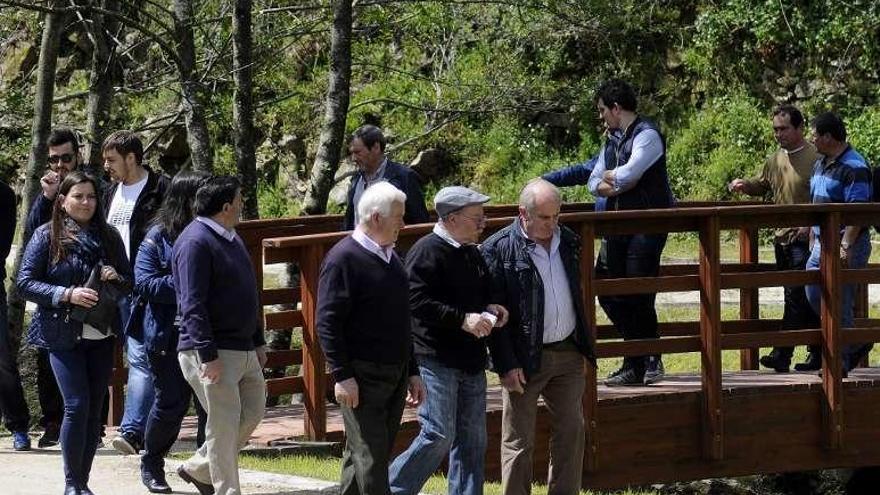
591,394
710,337
749,308
313,367
116,391
861,311
832,362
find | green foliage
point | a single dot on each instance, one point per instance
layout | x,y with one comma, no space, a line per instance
863,132
729,138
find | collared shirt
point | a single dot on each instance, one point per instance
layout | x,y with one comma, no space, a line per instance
844,179
442,233
647,148
559,315
363,182
229,235
361,237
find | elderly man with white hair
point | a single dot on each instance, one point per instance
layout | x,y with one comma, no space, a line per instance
363,322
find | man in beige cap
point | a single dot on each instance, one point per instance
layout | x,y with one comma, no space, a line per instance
451,303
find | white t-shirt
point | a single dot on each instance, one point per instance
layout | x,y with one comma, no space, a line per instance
92,333
122,207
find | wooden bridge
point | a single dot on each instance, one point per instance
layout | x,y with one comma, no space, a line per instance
687,427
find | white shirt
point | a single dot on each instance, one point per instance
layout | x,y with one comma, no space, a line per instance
442,233
559,315
363,182
647,148
229,235
122,207
92,333
361,237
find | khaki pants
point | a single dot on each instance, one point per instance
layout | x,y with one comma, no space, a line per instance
560,381
235,407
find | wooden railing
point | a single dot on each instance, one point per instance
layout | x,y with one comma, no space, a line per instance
708,336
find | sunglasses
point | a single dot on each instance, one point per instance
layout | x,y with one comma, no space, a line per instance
65,158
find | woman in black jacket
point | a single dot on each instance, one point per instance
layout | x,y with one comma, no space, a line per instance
58,261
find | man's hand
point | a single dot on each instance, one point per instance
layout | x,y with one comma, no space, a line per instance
737,185
499,311
49,183
210,371
514,380
476,325
415,391
261,356
346,392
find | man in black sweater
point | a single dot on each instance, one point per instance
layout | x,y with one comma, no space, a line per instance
363,322
450,292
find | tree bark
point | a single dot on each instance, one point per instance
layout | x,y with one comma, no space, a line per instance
100,81
335,112
40,128
243,106
197,136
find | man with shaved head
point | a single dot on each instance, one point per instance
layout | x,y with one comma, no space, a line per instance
542,350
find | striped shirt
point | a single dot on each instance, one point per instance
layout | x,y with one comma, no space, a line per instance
845,179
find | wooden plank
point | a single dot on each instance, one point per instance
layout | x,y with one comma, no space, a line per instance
116,392
273,254
590,398
280,320
288,357
284,385
860,335
749,307
641,347
860,276
768,279
832,362
775,339
710,338
282,295
313,367
646,285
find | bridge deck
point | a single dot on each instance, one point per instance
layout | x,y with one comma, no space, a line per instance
772,423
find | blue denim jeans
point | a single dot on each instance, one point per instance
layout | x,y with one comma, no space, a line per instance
860,251
139,393
453,421
83,374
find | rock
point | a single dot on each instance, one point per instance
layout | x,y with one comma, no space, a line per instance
726,486
19,57
342,179
432,164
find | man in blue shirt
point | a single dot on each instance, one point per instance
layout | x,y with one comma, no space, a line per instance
840,175
631,174
576,175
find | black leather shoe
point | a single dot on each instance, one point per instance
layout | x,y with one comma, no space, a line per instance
155,482
203,488
85,491
71,490
776,361
626,377
813,363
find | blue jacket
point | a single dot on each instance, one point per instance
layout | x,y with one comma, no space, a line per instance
576,175
403,178
154,305
518,287
44,283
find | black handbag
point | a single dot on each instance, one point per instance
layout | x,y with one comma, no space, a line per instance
100,316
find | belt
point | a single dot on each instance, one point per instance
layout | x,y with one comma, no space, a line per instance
566,344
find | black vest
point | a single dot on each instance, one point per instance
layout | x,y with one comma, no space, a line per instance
652,189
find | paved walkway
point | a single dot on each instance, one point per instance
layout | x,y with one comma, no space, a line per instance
40,472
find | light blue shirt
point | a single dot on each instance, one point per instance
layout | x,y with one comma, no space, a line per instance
229,235
361,237
559,315
646,150
363,182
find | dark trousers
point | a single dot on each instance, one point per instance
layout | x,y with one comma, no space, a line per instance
83,374
370,428
171,402
634,315
797,313
14,408
51,403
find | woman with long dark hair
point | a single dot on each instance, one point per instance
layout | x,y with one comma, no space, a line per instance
155,307
60,259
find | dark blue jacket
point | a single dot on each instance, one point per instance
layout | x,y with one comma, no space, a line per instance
154,305
518,287
652,190
403,178
576,175
41,281
41,208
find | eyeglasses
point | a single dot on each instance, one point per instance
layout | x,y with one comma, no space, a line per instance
478,220
65,158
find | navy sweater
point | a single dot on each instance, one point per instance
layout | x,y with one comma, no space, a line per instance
363,309
216,293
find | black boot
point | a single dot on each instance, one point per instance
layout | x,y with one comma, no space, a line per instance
776,361
155,481
813,362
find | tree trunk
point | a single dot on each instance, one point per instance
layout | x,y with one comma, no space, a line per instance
100,81
197,135
243,106
40,128
335,112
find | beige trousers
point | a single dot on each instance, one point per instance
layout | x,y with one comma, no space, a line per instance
560,381
235,407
